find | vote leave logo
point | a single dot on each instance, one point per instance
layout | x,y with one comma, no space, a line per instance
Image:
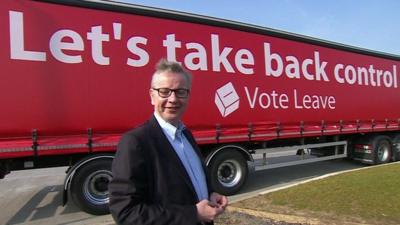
227,99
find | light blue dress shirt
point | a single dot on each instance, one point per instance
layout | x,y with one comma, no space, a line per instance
187,155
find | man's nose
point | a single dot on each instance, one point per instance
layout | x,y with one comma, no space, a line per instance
172,97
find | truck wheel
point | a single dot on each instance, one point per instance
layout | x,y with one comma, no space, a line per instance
382,149
396,147
89,187
228,172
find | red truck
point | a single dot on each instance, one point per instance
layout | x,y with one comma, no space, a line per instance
75,76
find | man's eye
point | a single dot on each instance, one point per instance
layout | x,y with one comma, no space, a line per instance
163,91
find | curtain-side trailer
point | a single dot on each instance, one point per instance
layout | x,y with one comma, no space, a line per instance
75,76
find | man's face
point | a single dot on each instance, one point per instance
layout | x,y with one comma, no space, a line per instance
169,108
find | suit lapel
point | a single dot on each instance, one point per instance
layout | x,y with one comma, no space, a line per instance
165,149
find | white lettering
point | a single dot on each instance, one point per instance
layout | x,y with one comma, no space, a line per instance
362,71
292,69
220,57
320,68
143,56
269,58
314,101
171,45
378,77
57,46
251,101
338,67
350,74
395,76
284,101
364,76
296,105
200,55
17,47
304,66
388,79
97,37
244,57
266,100
371,71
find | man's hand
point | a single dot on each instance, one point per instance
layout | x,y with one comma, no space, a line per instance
220,201
209,210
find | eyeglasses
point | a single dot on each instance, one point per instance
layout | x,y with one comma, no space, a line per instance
166,92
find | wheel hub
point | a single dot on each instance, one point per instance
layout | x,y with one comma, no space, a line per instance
96,187
229,173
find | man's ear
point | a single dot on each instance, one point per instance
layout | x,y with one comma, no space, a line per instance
151,93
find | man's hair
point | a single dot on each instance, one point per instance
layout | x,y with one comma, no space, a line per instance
167,66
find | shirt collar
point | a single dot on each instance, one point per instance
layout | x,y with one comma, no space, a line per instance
168,128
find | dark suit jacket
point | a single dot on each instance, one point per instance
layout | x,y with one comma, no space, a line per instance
150,184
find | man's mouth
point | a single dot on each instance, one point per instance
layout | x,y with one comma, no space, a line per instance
172,108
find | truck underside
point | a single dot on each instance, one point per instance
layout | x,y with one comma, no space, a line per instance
229,164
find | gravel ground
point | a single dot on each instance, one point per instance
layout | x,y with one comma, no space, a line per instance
228,218
238,218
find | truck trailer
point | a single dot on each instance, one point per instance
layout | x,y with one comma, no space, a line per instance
76,74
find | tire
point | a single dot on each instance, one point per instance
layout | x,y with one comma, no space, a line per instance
228,172
382,149
89,187
396,147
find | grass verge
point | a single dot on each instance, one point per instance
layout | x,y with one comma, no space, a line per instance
369,196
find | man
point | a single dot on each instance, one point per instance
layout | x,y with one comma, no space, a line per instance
158,174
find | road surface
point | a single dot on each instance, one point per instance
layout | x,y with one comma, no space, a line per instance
35,196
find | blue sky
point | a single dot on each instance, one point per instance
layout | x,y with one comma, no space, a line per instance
370,24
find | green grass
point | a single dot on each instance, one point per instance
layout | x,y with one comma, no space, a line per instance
372,195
